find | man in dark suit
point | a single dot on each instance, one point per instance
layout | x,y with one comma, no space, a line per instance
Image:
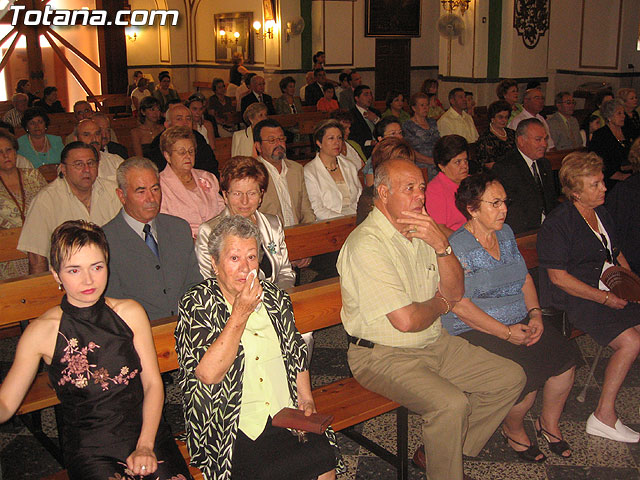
527,178
315,91
364,119
106,145
256,94
180,116
151,255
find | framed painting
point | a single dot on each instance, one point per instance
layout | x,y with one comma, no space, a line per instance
233,34
392,18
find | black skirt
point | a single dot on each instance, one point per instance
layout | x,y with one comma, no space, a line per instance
278,455
550,356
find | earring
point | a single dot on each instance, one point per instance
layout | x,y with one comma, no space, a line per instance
60,286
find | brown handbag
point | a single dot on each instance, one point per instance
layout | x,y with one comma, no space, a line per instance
296,420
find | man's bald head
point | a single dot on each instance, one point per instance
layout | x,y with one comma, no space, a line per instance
88,132
178,116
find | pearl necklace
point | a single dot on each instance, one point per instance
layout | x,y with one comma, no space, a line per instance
499,135
332,169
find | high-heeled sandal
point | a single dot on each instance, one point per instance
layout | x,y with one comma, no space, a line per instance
558,447
531,453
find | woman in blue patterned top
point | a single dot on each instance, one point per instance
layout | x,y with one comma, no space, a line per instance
500,312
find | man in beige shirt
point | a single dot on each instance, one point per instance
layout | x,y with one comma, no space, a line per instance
397,276
79,195
88,131
456,121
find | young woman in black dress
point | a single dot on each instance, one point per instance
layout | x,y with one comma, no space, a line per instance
103,366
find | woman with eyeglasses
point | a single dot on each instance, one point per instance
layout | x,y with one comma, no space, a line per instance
501,313
243,181
187,192
576,244
451,155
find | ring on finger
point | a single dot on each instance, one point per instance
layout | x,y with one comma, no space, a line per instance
143,467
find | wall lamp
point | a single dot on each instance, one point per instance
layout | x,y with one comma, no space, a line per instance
268,29
226,39
451,5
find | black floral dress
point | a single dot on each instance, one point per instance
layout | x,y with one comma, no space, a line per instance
95,371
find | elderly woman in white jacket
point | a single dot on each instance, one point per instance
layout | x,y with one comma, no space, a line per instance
331,180
243,181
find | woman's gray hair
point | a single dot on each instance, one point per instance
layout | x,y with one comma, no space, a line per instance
235,225
609,107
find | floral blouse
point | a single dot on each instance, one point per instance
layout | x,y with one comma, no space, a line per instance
10,217
212,412
489,148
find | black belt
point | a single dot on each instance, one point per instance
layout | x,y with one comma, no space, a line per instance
360,342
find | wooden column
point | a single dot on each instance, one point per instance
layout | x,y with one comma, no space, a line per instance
113,50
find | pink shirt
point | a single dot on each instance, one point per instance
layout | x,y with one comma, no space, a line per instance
195,206
440,202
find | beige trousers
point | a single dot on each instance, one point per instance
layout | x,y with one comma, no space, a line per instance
462,393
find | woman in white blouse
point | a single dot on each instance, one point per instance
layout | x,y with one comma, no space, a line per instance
331,180
242,142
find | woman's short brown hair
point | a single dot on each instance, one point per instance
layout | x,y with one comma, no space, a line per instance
504,86
391,148
321,129
172,134
6,134
252,111
575,167
417,96
239,167
73,235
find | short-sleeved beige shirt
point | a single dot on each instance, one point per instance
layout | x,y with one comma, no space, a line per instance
56,204
380,272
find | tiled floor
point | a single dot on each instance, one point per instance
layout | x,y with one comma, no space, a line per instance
593,458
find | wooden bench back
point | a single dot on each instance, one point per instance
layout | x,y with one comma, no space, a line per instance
9,244
123,126
527,246
556,157
25,298
223,151
308,240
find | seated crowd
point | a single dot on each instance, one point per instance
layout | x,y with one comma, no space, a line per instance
440,311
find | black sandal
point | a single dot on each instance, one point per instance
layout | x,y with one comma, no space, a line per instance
558,447
530,454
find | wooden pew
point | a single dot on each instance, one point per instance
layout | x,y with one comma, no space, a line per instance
223,151
9,245
315,306
555,157
324,236
123,126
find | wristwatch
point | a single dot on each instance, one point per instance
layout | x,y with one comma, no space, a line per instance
446,253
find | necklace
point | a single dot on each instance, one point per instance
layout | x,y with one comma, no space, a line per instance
332,169
21,208
499,135
44,147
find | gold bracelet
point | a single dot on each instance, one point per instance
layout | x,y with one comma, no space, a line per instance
605,299
533,310
447,303
508,336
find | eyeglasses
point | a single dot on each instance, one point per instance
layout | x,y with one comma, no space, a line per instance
569,102
251,194
274,140
91,164
498,203
183,153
